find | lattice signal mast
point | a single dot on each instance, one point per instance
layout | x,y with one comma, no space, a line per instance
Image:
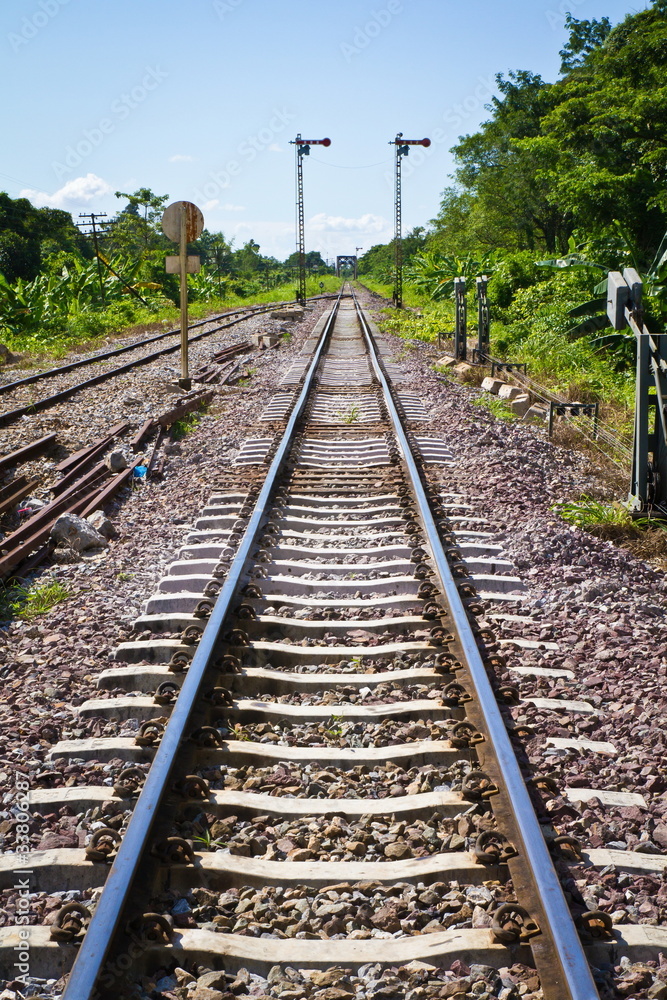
402,149
302,149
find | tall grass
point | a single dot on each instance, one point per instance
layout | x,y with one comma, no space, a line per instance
92,328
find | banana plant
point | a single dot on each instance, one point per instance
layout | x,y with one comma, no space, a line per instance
594,311
434,272
15,313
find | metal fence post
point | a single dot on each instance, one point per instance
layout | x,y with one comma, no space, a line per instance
483,319
461,333
648,488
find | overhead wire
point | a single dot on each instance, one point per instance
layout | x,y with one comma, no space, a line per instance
354,166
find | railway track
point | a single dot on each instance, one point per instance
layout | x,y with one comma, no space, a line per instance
31,405
328,596
78,410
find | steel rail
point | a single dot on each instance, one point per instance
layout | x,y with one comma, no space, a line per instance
575,981
43,404
94,358
89,962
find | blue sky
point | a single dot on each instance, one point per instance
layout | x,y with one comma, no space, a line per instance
199,99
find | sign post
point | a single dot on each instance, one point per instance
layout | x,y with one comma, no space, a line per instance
183,222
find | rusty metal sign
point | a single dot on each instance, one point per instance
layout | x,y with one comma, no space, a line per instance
171,221
173,264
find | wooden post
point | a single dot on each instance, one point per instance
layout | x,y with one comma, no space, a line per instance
185,381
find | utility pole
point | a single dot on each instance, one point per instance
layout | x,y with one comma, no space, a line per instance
402,149
91,220
101,259
356,261
302,149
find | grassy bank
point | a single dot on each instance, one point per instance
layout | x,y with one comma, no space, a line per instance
421,319
532,328
89,330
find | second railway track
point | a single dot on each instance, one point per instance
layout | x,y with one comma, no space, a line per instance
29,404
329,592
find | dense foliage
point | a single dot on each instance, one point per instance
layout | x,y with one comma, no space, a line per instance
29,235
563,182
570,157
54,289
566,159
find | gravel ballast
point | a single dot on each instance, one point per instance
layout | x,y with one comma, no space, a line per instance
605,608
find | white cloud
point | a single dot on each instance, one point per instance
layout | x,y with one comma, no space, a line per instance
338,224
277,239
181,158
77,193
276,148
214,203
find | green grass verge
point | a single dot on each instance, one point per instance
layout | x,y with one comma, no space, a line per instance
29,602
497,406
90,330
421,319
590,513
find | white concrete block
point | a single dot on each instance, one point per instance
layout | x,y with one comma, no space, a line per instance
520,404
537,412
492,385
509,391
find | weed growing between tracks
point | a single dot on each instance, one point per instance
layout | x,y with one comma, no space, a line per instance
350,416
497,406
244,382
30,602
187,424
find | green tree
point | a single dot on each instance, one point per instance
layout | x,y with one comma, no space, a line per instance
19,256
510,199
314,262
248,261
603,145
28,235
138,227
572,156
378,262
585,37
